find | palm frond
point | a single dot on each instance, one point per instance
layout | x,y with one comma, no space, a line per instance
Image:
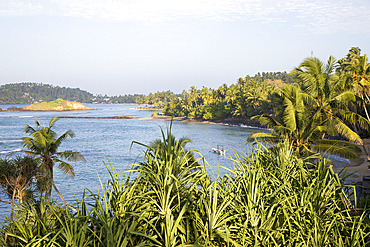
308,98
65,167
52,122
62,137
342,148
345,97
353,117
289,115
267,137
340,143
330,66
346,131
267,120
28,129
71,156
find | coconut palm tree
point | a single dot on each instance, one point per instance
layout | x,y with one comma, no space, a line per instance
303,130
43,143
326,99
357,69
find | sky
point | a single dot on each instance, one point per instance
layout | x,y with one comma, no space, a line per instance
140,46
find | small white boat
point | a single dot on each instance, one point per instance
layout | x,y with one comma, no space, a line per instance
219,151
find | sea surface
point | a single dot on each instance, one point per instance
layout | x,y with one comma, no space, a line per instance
104,141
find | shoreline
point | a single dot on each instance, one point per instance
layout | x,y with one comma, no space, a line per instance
360,166
228,121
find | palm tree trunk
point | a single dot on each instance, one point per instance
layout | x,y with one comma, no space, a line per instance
50,167
367,114
13,203
61,197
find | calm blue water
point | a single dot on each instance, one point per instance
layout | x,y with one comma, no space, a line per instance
104,140
100,140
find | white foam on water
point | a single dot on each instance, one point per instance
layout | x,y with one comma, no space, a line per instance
15,150
6,141
24,116
251,127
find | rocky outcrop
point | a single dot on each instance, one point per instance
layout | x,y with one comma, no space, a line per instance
14,108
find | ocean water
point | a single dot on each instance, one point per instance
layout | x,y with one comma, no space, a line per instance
102,141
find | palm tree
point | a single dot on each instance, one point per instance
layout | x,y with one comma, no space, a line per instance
43,143
231,94
326,99
357,68
303,130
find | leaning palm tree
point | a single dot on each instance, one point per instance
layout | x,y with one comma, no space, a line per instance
43,143
303,130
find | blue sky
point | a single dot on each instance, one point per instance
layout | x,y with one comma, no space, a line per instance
141,46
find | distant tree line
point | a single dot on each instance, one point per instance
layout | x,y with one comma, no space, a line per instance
28,93
248,97
264,76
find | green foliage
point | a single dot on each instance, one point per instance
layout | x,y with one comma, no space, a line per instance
157,99
26,93
42,144
18,179
270,198
245,99
312,111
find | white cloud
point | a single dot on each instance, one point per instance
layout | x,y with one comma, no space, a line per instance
317,15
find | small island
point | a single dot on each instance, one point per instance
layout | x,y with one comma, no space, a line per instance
56,105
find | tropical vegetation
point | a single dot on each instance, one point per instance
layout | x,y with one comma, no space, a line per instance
281,194
18,180
246,98
270,198
27,92
42,144
315,111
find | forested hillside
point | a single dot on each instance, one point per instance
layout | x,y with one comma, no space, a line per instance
27,93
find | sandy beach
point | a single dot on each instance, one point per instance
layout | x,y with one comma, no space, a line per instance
359,167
